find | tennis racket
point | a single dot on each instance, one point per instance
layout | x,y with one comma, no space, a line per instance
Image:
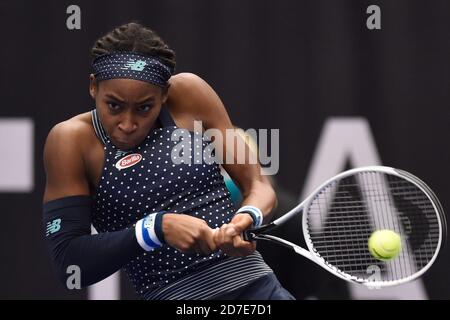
340,216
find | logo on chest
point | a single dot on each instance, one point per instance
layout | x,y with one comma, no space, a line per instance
128,161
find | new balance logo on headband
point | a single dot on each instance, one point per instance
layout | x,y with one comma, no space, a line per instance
53,227
134,65
130,65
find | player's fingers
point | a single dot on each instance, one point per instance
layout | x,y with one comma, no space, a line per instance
203,248
243,224
215,236
189,250
205,243
243,247
227,231
231,231
210,241
219,236
225,240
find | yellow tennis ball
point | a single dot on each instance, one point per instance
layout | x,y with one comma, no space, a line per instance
384,245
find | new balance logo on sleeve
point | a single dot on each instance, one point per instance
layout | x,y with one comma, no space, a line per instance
53,227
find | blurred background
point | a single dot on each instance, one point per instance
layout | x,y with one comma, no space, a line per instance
341,94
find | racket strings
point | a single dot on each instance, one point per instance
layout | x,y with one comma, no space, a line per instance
342,217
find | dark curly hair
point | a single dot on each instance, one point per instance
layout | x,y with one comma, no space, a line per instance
134,37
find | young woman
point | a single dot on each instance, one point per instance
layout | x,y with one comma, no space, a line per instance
170,226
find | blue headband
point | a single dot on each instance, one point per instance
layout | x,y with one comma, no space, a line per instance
131,65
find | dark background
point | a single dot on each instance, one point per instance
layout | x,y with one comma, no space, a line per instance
276,64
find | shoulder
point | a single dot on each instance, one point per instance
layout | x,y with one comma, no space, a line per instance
186,80
194,95
71,134
73,129
191,89
64,162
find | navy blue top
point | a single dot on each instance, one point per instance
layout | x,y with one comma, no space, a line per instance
154,183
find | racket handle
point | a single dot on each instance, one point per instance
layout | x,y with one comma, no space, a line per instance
251,234
247,235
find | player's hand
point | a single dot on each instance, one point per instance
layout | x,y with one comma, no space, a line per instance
188,234
228,237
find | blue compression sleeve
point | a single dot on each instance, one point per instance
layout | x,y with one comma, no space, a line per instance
68,236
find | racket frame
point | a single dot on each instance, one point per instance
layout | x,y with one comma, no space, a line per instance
259,232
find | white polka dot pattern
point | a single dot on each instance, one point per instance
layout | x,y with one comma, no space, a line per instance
156,184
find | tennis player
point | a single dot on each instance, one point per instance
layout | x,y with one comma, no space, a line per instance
171,227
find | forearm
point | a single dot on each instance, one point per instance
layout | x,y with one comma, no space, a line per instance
262,196
98,256
69,239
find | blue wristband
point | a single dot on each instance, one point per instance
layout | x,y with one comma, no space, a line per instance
254,212
149,231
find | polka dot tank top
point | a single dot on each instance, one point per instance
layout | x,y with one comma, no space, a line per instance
150,181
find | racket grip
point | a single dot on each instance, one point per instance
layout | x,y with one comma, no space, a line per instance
247,235
252,234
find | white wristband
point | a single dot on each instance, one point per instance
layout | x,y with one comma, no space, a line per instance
145,233
255,213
